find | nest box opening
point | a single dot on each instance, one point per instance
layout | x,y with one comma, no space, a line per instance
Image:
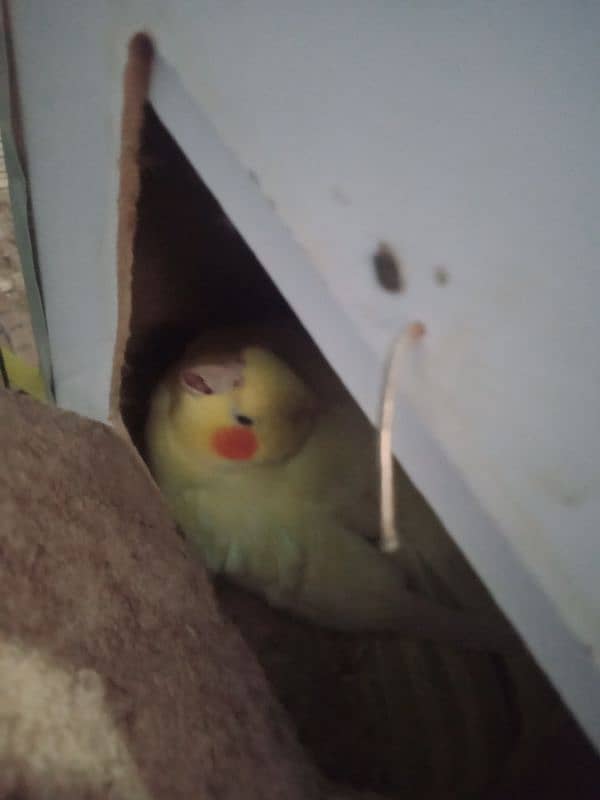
191,271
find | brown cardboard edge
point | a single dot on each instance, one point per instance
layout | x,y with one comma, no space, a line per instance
136,81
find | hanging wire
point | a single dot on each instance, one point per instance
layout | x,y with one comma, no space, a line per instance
389,539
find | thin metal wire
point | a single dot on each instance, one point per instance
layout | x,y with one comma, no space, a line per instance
389,539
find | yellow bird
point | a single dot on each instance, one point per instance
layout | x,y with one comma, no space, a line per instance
270,470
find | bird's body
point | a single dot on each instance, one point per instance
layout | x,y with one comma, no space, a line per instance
285,502
264,525
270,469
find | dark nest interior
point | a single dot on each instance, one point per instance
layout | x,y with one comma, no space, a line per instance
192,270
351,698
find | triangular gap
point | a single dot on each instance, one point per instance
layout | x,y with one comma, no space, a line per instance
191,270
182,265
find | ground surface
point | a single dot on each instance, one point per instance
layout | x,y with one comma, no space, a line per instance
15,324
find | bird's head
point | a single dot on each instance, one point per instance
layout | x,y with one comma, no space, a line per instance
240,407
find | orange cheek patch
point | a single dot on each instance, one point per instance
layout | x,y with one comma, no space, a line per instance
238,444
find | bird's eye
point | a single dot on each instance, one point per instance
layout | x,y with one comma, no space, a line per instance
242,419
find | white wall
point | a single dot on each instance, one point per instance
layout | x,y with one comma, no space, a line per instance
463,134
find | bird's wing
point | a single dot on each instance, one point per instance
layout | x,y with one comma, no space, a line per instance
342,581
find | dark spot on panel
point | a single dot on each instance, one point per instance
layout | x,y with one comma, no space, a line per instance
587,649
340,196
572,499
253,177
441,276
388,269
